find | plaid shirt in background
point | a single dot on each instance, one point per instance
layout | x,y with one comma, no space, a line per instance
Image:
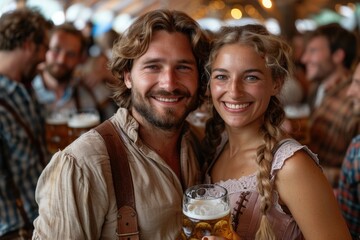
348,193
332,126
20,154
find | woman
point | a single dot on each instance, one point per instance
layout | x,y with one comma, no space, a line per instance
277,189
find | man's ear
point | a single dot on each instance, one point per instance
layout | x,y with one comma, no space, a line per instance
127,79
338,56
29,45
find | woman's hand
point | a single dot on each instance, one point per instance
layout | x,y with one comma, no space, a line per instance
235,237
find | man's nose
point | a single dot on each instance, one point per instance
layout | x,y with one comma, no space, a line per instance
61,57
168,79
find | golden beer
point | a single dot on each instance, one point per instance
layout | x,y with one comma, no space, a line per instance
206,212
298,118
80,123
56,131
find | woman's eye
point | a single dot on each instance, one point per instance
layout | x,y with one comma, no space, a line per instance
251,78
220,77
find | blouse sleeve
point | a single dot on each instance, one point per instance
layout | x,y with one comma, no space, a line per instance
72,200
287,148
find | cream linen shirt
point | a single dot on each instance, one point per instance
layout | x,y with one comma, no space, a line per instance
76,196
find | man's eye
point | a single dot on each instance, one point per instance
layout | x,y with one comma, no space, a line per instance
54,50
71,55
153,67
185,67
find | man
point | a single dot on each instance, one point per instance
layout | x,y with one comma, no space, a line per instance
348,193
59,87
329,55
23,43
159,65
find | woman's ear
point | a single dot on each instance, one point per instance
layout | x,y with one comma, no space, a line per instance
127,80
277,86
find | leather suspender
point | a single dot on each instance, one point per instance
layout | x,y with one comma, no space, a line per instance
124,190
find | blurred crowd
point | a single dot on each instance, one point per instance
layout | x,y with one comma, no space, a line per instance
50,73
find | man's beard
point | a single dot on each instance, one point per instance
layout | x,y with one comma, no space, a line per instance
29,76
63,76
165,121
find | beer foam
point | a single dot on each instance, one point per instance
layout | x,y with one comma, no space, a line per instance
57,120
206,209
83,120
301,111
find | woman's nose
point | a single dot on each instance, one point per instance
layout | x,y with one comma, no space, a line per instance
235,87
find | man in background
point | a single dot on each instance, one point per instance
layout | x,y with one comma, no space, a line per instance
59,86
329,56
348,193
23,44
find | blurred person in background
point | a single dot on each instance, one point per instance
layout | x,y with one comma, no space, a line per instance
294,94
295,90
157,84
88,33
96,75
348,192
23,43
58,86
329,57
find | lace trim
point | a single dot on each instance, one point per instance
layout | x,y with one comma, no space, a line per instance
249,183
287,150
245,183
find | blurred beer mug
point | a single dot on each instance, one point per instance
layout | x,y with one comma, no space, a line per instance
206,212
82,121
56,130
298,116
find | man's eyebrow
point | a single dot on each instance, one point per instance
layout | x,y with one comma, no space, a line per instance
157,60
187,61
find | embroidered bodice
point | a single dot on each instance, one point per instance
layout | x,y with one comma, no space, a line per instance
245,200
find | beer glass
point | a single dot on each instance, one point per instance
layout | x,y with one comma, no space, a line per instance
82,121
56,130
298,117
206,212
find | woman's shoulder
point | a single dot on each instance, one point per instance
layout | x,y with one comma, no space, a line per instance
290,148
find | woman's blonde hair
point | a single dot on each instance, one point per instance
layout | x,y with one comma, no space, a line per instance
276,53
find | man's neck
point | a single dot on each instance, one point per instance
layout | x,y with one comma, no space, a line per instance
337,77
52,84
164,143
10,68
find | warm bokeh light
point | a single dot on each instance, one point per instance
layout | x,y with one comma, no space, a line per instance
236,13
120,14
218,4
266,3
249,9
